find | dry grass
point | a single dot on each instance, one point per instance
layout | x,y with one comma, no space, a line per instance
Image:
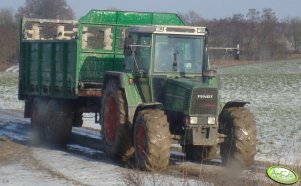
4,66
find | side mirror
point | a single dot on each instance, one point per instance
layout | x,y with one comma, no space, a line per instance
127,50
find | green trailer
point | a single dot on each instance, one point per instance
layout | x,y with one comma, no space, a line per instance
68,59
148,78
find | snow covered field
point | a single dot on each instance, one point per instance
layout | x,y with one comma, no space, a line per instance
273,88
9,91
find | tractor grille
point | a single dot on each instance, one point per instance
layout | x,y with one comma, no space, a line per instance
204,101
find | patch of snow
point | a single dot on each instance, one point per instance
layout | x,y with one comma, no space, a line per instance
274,92
13,69
19,175
86,150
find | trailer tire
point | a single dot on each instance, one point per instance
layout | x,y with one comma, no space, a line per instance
239,147
199,153
115,132
77,119
58,127
152,140
38,117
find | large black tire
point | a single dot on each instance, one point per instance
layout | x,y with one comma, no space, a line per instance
152,140
199,153
38,117
239,147
77,119
58,127
115,132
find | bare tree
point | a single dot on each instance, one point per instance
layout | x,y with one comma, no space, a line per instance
269,45
193,18
8,37
294,33
46,9
251,45
6,16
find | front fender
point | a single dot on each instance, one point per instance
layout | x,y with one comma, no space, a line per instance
231,104
143,106
235,104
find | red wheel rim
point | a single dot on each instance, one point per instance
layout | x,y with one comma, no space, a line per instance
110,119
141,142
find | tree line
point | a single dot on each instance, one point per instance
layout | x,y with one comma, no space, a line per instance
261,34
10,22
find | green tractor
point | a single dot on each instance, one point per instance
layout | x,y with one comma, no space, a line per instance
167,91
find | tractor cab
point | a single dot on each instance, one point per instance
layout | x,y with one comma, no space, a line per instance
155,54
166,50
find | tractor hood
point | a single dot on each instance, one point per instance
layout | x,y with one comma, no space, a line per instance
191,96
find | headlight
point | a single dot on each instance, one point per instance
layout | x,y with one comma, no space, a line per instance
193,120
211,120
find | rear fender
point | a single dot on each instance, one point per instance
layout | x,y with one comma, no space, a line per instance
132,94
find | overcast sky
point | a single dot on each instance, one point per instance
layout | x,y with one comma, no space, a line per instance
205,8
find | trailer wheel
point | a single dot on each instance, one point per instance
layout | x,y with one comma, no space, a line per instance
115,132
152,140
77,119
38,117
199,153
58,127
239,147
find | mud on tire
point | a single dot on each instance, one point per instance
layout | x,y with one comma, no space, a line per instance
114,119
239,147
152,140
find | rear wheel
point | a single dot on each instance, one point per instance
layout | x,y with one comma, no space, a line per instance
58,127
116,135
152,140
239,147
199,153
39,117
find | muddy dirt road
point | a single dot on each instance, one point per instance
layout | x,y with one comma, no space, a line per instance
24,161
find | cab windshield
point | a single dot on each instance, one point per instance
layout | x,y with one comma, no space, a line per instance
183,54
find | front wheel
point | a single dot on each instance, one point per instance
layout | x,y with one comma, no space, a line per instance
239,147
152,140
